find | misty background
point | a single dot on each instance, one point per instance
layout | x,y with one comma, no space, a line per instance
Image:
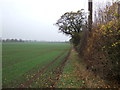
34,19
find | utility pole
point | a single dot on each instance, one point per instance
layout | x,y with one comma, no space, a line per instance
90,6
119,10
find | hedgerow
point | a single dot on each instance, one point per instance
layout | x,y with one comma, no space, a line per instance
101,47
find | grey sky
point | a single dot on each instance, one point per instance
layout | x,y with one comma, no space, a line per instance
34,19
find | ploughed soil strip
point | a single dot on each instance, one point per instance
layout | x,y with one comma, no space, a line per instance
29,82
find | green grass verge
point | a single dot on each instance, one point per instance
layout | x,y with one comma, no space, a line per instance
69,77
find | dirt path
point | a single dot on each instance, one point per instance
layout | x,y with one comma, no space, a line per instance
29,82
75,75
59,70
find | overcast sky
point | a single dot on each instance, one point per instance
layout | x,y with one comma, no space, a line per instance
34,19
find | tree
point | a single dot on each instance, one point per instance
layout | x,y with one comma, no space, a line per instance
71,24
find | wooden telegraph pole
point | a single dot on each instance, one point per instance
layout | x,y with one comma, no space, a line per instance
119,10
90,6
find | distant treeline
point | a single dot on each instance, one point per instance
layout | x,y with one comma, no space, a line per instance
20,40
12,40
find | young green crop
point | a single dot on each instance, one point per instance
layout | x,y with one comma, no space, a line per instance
48,78
21,58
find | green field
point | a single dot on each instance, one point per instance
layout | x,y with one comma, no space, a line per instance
22,62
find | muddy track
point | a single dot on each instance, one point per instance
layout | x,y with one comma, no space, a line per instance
59,71
29,82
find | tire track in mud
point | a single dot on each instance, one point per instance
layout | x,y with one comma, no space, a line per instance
29,82
58,71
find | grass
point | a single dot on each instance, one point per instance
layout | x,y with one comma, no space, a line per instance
24,59
75,75
70,78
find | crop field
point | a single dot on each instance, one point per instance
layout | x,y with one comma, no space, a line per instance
28,64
